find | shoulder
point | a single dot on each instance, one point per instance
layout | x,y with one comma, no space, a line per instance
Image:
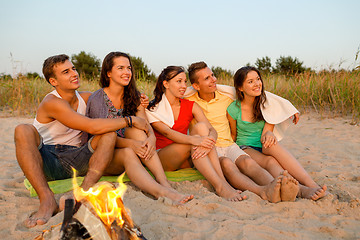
187,103
223,97
233,109
85,95
95,96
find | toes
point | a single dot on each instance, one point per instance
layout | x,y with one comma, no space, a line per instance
29,223
41,221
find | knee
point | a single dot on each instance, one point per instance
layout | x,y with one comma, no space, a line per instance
270,161
246,163
226,164
24,132
109,137
201,129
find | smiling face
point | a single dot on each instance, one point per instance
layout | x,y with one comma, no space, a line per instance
176,86
252,85
206,81
65,76
120,73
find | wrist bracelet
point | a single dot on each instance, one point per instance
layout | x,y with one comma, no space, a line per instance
130,122
126,121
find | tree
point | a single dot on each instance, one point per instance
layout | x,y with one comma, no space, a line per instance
32,75
288,65
221,73
87,64
4,76
141,70
263,64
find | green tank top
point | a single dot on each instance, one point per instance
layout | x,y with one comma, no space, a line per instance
248,133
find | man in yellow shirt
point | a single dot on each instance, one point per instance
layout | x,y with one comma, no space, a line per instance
236,164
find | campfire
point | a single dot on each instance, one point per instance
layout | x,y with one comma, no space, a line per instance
98,214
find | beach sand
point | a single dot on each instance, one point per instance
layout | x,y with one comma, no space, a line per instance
329,149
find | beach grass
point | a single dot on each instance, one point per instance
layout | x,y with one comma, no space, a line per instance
334,93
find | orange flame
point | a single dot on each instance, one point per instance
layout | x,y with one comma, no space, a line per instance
105,199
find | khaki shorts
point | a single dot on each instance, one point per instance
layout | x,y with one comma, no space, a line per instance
232,152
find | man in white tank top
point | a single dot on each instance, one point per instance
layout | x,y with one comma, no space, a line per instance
49,148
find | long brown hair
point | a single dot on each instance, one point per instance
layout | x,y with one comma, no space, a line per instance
166,75
131,98
239,79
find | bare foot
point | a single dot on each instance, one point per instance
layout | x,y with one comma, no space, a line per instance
271,192
230,194
289,187
176,197
68,195
312,193
47,209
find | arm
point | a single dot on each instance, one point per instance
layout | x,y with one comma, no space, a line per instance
232,124
200,117
174,135
150,141
268,138
55,108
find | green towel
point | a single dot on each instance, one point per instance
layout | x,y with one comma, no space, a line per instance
65,185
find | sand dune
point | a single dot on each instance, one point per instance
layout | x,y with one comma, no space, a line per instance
329,149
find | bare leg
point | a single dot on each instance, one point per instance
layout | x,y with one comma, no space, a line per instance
267,162
153,163
270,192
288,162
174,155
104,146
27,141
104,150
126,159
251,168
209,166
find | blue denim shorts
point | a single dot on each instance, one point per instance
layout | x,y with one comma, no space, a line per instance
58,160
243,147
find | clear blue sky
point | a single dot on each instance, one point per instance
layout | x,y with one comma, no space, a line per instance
230,34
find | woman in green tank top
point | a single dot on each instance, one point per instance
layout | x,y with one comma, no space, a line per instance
256,137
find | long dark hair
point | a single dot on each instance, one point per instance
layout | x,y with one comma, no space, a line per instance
131,98
239,79
166,75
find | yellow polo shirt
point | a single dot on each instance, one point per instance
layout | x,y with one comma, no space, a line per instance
215,111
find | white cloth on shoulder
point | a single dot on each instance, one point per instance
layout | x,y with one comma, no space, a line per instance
162,112
276,110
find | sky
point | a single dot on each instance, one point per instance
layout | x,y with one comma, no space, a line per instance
323,34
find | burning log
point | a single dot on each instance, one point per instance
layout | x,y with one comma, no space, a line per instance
98,214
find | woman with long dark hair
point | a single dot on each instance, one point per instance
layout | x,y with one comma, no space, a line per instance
170,116
119,97
255,136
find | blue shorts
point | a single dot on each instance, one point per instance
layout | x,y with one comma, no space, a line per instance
243,147
58,160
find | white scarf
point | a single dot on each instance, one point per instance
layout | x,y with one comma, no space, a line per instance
161,112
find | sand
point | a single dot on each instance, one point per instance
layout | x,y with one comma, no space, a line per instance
329,149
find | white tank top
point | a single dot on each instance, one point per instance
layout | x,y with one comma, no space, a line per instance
56,133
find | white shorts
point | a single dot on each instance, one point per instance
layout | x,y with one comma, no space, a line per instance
232,152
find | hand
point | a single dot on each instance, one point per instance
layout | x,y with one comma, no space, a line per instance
207,142
139,148
296,118
200,152
140,123
268,139
144,100
149,144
